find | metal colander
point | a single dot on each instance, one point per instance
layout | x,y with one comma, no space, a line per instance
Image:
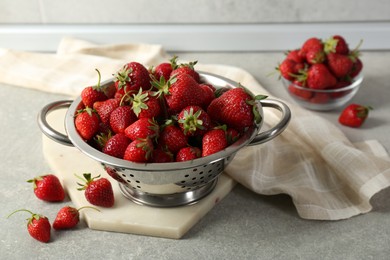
166,184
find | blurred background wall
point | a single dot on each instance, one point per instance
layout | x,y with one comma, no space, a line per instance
204,25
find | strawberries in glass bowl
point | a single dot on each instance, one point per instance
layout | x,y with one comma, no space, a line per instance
322,74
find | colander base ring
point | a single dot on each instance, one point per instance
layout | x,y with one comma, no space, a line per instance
168,200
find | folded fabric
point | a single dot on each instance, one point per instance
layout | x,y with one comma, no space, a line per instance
327,176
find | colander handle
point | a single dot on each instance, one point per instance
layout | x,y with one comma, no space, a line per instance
46,128
279,127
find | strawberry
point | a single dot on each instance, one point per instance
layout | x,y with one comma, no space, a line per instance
38,226
289,68
91,94
104,109
180,91
356,68
208,94
188,69
193,120
87,123
311,44
299,92
146,104
294,56
318,76
214,141
139,150
188,153
340,65
165,69
68,217
235,108
143,128
121,117
48,188
354,115
161,155
132,77
315,56
320,98
336,44
116,145
98,191
172,138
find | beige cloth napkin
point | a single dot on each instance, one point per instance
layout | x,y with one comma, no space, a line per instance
327,176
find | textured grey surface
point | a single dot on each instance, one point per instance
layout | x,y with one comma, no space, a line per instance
244,225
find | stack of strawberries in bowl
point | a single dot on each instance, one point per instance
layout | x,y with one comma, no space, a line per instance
164,114
322,75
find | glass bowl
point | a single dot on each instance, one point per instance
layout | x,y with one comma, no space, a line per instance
323,99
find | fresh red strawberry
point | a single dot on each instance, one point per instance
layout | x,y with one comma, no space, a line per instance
68,217
289,69
165,69
146,104
98,191
235,108
139,150
320,98
143,128
319,77
180,91
48,188
295,56
311,44
188,153
188,69
208,92
354,115
91,94
214,141
340,65
356,68
116,145
193,120
161,155
132,77
172,138
315,56
336,44
299,92
104,109
87,123
121,117
38,226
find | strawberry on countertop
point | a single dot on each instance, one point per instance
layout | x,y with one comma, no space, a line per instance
38,226
68,217
48,188
354,115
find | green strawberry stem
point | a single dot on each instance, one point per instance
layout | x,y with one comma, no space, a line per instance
86,180
88,207
33,215
99,80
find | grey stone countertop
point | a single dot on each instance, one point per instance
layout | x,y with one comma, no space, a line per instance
244,225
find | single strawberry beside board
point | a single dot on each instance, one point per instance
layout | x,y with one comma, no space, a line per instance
354,115
48,188
98,191
38,226
68,217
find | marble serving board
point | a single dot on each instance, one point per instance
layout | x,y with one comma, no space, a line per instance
125,216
